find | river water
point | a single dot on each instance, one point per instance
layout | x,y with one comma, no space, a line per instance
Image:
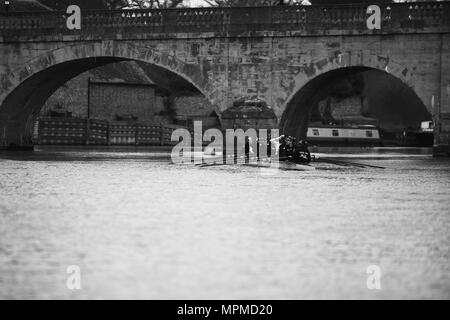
139,227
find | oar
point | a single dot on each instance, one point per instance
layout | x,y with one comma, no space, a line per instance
347,163
223,158
205,165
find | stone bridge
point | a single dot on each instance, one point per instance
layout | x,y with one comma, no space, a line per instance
283,54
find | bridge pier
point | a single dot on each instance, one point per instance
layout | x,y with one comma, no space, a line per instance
442,137
440,151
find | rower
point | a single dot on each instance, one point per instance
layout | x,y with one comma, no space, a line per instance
301,154
249,148
276,143
288,148
284,145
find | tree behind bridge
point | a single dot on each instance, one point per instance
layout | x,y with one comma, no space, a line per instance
112,4
162,4
250,3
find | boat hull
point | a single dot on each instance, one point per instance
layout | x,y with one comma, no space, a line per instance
286,166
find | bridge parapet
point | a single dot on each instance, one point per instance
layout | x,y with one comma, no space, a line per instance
305,20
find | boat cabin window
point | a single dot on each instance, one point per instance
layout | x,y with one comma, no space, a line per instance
369,134
316,132
335,133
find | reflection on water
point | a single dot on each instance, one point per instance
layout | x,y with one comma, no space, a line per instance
140,227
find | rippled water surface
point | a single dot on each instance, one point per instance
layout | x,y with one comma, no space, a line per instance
139,227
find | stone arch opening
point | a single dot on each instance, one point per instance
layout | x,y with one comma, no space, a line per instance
384,97
25,100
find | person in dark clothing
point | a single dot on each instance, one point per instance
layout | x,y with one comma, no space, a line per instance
301,154
268,145
284,148
287,144
247,149
290,150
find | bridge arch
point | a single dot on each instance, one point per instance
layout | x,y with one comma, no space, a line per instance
29,86
314,83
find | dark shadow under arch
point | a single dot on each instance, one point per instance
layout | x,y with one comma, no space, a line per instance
24,103
398,99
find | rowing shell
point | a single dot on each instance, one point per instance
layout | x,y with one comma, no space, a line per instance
287,166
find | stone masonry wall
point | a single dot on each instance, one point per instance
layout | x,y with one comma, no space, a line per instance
71,97
193,106
272,66
110,99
